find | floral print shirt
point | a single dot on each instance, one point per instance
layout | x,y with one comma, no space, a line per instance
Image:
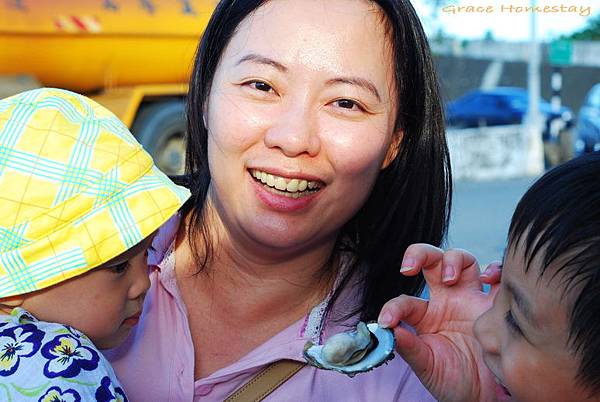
48,362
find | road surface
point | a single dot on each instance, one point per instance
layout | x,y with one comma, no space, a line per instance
481,215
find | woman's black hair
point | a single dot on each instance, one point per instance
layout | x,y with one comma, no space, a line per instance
410,201
558,220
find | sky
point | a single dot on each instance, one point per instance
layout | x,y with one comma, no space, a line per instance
506,19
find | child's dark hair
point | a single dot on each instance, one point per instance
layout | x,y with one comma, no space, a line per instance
558,219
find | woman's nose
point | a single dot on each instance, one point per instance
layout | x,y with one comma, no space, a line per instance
295,132
486,333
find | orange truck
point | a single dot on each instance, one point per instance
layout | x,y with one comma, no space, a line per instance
132,56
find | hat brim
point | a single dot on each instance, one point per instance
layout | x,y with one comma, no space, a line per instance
102,232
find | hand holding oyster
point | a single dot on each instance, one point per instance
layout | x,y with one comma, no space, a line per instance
353,352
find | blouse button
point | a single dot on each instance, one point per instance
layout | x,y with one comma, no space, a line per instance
204,390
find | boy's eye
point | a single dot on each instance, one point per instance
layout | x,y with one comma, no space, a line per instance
512,324
120,268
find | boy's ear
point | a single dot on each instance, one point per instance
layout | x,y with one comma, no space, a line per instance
393,149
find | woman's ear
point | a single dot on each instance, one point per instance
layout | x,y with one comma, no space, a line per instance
393,149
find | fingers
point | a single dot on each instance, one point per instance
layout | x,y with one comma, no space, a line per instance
424,257
408,309
441,268
492,273
460,267
420,255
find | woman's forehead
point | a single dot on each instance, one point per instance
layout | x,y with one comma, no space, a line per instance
328,35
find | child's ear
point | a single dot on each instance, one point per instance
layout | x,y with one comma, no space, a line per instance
8,303
393,149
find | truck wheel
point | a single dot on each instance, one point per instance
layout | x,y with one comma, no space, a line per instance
160,127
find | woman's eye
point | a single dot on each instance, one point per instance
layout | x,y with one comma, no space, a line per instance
348,104
512,324
261,86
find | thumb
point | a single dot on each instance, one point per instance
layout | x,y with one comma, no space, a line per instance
414,351
408,310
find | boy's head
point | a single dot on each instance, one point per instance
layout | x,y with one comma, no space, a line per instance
79,201
542,336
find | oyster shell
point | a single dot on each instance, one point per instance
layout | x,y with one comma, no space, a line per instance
353,352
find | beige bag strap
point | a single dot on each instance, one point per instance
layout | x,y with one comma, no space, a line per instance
266,381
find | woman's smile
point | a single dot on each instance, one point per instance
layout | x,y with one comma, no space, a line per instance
291,187
285,194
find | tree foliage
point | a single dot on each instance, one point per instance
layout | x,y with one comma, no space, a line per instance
590,32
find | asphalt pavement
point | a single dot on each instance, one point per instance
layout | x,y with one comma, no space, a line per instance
481,214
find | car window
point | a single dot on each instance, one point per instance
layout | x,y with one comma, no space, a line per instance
469,100
518,102
489,101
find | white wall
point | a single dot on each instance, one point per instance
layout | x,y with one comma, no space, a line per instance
489,153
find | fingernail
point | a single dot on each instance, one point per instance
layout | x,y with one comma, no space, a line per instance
487,271
384,320
408,263
448,273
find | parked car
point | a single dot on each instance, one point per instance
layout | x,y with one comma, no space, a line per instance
508,105
499,106
587,131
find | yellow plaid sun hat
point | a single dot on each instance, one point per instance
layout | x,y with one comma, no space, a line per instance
76,189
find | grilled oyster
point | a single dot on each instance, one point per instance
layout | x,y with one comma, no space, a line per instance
353,352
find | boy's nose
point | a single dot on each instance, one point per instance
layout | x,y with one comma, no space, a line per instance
295,132
486,334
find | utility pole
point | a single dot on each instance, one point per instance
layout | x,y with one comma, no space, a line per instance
533,120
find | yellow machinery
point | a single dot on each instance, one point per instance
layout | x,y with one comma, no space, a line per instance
133,56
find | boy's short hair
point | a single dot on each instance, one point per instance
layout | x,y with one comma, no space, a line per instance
76,189
558,220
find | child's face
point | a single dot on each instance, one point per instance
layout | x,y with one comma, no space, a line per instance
524,335
104,303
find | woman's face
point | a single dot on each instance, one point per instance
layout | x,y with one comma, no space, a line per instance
300,119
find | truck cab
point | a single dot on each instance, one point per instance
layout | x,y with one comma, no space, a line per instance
132,56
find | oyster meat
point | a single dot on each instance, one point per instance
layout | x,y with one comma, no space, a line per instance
353,352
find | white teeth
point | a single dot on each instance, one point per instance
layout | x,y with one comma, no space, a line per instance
280,183
290,185
270,180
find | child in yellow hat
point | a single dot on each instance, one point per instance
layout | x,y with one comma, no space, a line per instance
79,202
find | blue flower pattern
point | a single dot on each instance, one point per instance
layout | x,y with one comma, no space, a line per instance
55,394
105,392
67,357
52,363
16,343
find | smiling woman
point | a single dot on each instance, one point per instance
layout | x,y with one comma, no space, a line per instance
316,155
